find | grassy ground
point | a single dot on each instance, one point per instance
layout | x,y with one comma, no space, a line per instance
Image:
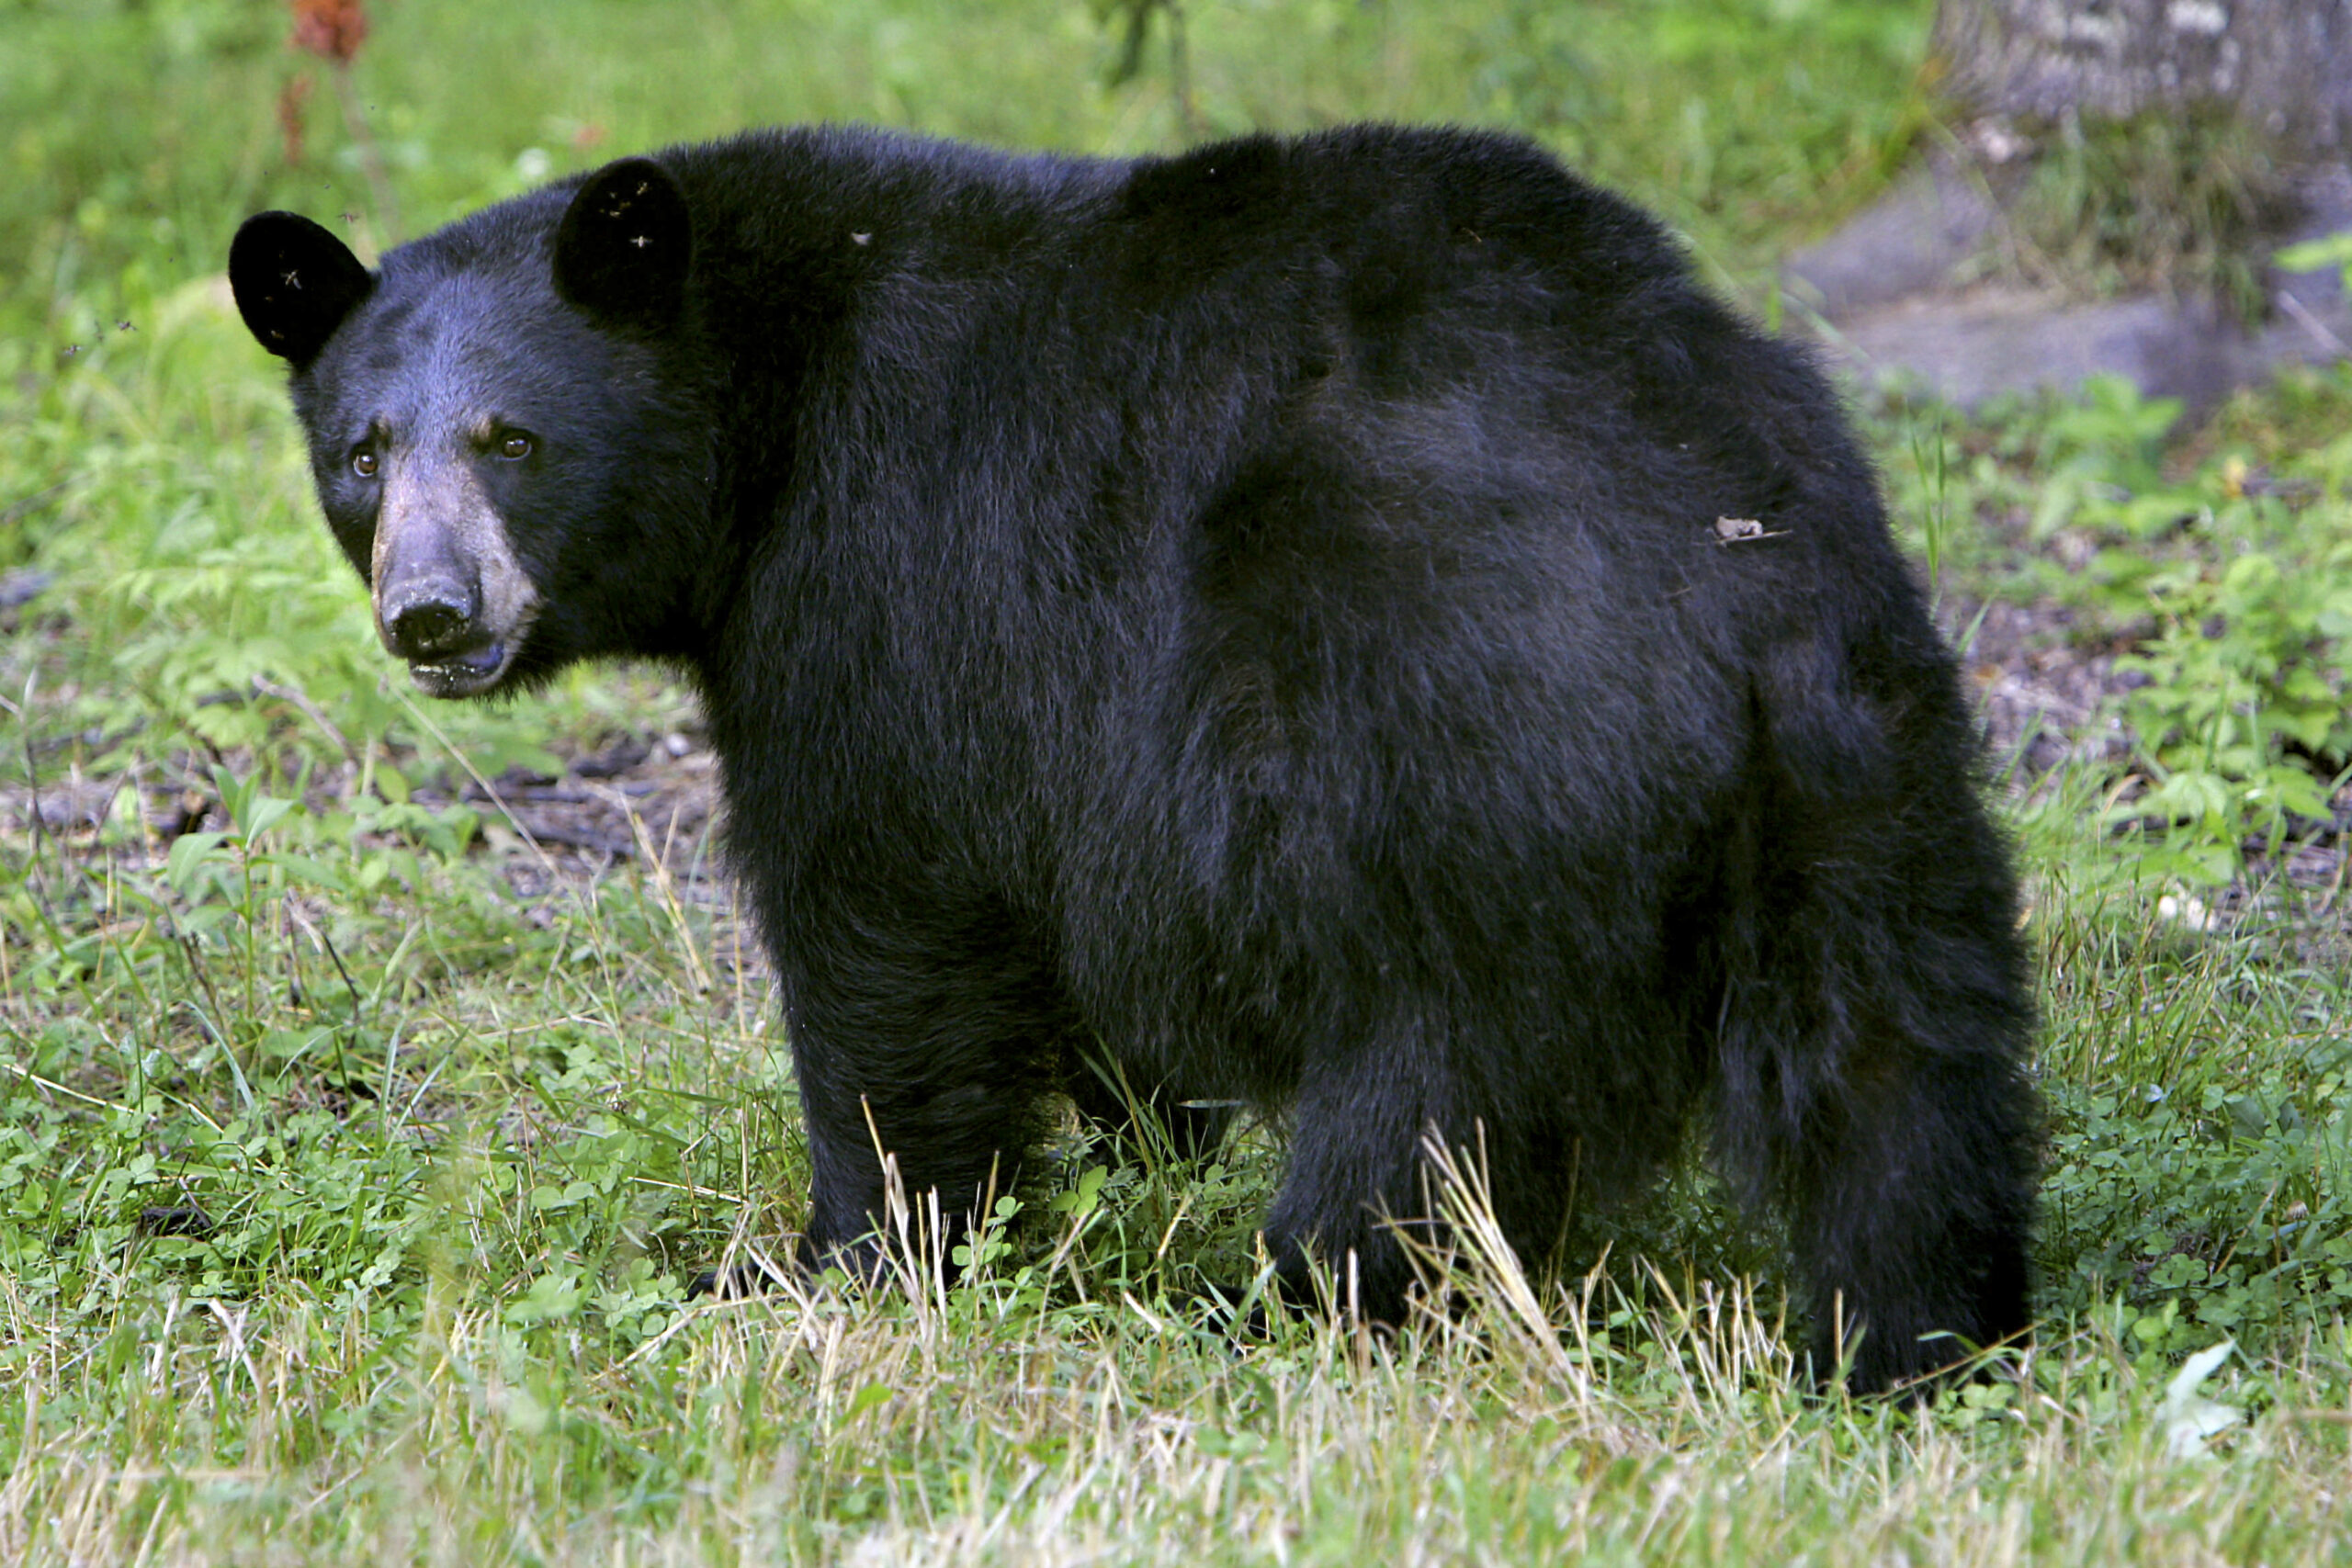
372,1076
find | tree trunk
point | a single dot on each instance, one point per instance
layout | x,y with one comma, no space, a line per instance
2284,65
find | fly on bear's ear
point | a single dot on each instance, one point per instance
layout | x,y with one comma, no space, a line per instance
622,252
294,283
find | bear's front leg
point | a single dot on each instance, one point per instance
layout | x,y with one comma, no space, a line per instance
937,1055
1357,1182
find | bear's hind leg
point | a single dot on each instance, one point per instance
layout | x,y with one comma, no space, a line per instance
1874,1084
1910,1211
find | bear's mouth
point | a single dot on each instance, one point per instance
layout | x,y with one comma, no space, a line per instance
464,674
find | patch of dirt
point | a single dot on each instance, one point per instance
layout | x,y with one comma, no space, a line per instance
2049,697
651,799
2046,699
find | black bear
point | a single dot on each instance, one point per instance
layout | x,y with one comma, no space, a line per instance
1343,624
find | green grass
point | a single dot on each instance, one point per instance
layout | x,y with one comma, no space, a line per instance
352,1164
133,136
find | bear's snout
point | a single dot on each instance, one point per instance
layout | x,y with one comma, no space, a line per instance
432,615
451,599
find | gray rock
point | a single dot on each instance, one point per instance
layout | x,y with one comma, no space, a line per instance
1887,300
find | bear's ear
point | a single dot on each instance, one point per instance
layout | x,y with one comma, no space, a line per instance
626,240
294,283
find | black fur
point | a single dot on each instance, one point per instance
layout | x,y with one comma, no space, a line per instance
1263,616
295,282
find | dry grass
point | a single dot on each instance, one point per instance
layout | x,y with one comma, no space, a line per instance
923,1424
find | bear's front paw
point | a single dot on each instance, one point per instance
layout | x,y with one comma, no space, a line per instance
737,1282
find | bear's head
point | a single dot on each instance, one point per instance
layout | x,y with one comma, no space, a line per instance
504,426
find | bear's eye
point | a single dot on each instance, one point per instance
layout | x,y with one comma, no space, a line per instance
363,463
515,448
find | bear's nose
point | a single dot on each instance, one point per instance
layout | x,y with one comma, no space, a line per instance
431,618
